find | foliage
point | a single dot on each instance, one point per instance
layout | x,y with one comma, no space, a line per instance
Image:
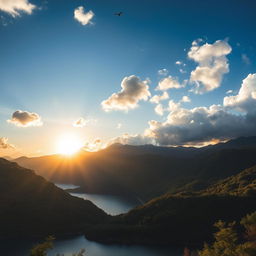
183,218
42,248
227,242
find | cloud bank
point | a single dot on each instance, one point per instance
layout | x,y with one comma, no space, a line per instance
16,7
201,124
133,90
24,119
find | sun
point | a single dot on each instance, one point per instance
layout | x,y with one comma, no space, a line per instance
68,144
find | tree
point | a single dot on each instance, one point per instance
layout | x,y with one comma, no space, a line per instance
228,241
42,248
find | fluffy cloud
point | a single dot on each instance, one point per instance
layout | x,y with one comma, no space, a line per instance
15,7
202,125
169,83
186,127
163,72
157,98
83,17
159,109
24,119
135,139
94,146
205,124
178,62
212,65
245,100
4,144
133,90
185,99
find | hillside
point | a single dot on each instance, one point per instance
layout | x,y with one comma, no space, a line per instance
32,206
147,171
185,218
242,184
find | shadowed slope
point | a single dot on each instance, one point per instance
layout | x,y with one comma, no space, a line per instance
186,218
30,205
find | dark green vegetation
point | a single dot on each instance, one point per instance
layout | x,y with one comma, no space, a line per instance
184,218
31,206
228,241
42,248
147,171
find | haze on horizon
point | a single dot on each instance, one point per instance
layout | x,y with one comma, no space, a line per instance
165,72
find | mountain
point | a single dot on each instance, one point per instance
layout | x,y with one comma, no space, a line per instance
146,171
32,206
182,219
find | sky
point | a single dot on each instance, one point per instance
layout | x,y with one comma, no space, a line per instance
164,72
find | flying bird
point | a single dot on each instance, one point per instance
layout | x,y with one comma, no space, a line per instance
118,13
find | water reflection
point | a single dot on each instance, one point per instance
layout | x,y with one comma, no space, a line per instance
110,204
69,246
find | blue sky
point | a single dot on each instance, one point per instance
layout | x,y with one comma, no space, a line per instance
60,69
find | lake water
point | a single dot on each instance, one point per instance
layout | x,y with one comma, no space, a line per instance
68,245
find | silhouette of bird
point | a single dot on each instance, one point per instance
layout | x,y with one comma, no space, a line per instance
118,13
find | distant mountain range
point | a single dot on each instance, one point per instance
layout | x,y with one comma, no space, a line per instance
188,189
146,171
31,206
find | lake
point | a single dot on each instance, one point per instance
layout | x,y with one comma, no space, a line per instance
112,205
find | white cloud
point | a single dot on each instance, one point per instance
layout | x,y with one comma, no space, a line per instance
173,105
80,122
93,146
245,99
4,143
169,83
159,109
24,119
186,127
178,62
229,91
136,139
83,17
212,65
185,99
16,7
202,125
133,90
246,59
163,72
157,98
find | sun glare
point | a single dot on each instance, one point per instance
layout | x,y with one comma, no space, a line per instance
68,144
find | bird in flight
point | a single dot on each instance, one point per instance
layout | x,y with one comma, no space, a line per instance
118,13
